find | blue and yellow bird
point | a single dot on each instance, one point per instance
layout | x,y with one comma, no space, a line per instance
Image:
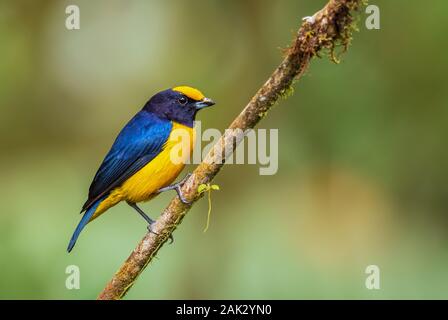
140,162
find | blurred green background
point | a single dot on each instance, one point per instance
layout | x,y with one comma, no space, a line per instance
363,156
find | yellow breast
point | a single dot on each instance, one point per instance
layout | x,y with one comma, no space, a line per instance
158,173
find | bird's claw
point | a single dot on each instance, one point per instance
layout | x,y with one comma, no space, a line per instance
181,196
151,230
178,186
187,176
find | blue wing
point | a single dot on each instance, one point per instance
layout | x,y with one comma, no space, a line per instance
140,141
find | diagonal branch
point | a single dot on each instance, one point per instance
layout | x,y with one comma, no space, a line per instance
328,29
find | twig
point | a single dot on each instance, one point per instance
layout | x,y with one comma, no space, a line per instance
329,28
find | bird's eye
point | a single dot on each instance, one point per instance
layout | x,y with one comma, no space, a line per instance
182,100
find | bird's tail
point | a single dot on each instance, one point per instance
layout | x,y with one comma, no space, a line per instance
85,219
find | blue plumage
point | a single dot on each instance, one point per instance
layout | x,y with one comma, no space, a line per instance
85,219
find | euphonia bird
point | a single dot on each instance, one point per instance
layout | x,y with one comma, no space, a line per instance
139,166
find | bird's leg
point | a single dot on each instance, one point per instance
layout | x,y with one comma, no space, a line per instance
148,219
176,186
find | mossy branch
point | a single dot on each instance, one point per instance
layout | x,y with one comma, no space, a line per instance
327,30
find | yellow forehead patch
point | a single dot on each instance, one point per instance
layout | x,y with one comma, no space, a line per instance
190,92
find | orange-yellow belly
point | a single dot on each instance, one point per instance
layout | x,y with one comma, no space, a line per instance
158,173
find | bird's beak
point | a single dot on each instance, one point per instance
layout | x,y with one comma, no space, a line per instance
204,103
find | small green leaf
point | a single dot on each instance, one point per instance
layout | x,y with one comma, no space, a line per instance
202,187
215,187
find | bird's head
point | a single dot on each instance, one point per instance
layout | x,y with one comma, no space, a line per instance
179,104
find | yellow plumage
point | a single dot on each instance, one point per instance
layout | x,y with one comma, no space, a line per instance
190,92
158,173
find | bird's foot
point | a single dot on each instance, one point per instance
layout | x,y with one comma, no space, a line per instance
151,230
177,186
148,220
184,179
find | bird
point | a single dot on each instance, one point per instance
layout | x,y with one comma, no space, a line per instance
140,164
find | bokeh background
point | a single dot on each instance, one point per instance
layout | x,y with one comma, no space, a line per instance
363,155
